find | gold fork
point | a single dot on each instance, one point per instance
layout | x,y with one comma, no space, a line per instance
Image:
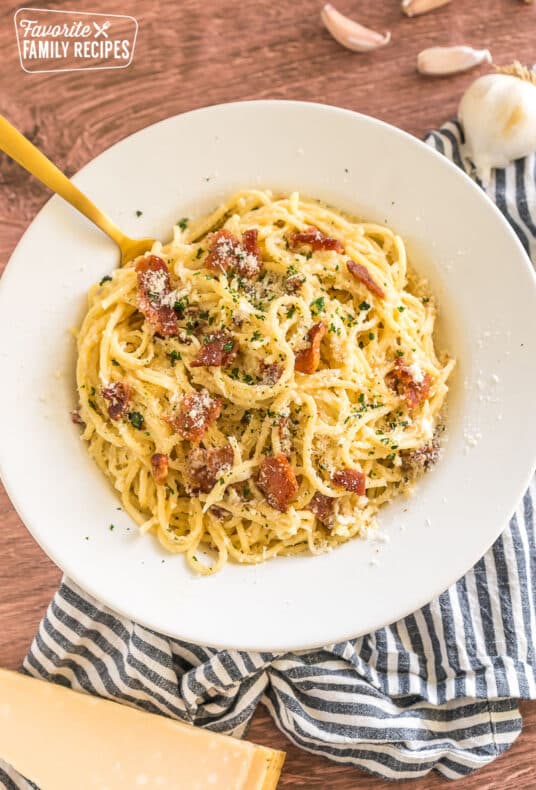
19,148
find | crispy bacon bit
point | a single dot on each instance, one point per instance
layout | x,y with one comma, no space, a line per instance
154,289
403,382
277,481
351,479
227,252
198,411
423,457
218,350
308,360
322,507
362,274
294,283
250,264
118,396
159,465
206,466
270,374
316,239
220,513
76,418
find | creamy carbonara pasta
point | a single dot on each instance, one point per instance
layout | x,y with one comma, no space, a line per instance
264,383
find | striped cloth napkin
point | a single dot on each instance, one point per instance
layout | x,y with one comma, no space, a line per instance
436,690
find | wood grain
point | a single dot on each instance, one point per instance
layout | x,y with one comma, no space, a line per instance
201,52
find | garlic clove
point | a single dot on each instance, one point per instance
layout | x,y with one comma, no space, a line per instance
439,61
415,7
351,34
498,115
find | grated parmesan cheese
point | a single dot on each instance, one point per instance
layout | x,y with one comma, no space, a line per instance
416,373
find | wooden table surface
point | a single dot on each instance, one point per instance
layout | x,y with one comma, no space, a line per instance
198,52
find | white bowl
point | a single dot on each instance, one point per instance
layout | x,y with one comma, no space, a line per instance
186,165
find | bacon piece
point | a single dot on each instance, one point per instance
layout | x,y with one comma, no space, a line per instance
277,481
401,380
226,253
308,360
218,350
250,264
322,507
422,457
362,274
197,412
316,239
206,466
351,479
220,513
159,465
270,374
221,251
293,283
154,289
77,419
118,396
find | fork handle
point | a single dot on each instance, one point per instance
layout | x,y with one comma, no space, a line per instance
19,148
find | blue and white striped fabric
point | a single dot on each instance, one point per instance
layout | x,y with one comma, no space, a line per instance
436,690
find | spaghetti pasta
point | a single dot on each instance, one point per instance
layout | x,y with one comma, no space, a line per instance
264,383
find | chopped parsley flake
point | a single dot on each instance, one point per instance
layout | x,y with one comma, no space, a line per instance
136,419
139,213
174,356
115,362
401,308
105,279
364,306
92,404
228,347
180,304
317,305
183,223
111,527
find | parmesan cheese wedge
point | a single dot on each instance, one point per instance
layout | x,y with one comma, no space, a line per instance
59,739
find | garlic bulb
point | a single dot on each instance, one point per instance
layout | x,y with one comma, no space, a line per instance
351,34
498,115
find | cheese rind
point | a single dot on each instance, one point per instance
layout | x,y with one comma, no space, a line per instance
60,739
